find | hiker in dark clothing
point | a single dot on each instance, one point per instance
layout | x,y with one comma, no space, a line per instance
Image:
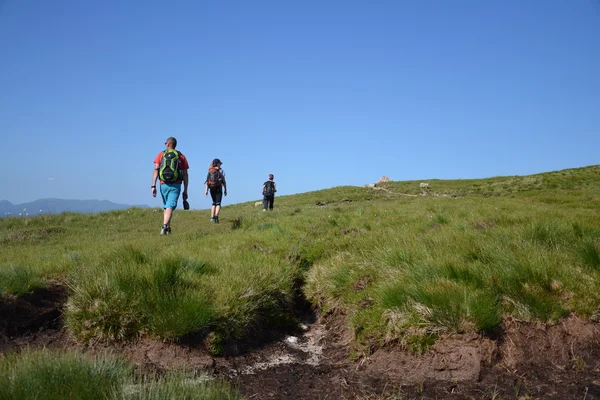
215,182
268,191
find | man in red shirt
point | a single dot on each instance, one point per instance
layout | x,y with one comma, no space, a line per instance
171,167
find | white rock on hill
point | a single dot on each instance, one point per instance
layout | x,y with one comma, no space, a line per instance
381,180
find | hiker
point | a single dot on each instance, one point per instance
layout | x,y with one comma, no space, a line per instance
268,191
171,167
215,182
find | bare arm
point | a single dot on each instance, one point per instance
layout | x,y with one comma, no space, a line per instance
154,178
185,184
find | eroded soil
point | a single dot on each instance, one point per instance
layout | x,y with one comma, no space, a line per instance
521,360
33,320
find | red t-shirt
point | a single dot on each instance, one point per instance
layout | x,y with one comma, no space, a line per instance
183,164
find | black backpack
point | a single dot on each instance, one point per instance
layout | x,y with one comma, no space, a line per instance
269,188
214,178
169,170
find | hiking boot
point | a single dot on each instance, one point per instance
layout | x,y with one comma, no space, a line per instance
212,220
216,219
168,230
165,230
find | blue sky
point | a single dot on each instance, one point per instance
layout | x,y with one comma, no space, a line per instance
319,93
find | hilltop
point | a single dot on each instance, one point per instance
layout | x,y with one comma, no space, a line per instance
480,288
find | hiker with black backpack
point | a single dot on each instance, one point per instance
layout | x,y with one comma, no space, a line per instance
216,184
268,191
171,167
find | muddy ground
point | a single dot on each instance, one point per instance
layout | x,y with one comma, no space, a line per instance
519,361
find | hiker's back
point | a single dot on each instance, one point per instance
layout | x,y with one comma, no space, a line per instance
269,188
170,169
214,178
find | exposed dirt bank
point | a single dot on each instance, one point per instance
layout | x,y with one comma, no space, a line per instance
33,320
560,361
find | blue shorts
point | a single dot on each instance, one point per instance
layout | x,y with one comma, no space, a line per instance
170,194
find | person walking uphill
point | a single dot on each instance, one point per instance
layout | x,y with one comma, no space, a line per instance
171,167
216,184
268,191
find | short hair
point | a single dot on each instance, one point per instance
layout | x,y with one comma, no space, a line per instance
172,141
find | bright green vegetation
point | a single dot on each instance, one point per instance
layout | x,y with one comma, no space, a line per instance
402,267
68,375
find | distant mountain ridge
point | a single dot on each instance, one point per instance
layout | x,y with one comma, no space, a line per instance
55,206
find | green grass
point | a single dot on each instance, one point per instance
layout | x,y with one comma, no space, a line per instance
138,293
52,375
180,385
48,375
19,280
130,292
403,267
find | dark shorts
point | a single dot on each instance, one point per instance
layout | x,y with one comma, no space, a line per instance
217,195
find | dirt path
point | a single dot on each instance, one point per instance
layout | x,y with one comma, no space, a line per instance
521,361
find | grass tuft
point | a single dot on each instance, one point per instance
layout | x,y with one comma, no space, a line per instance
159,298
52,375
18,281
548,233
589,253
236,223
181,385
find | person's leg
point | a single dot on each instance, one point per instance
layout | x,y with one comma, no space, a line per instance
218,198
265,203
170,195
213,208
271,201
168,213
172,198
163,195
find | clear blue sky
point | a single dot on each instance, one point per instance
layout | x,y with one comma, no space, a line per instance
319,93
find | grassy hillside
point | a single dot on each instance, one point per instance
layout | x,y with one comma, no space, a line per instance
403,267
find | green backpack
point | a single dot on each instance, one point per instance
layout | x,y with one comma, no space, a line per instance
169,170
